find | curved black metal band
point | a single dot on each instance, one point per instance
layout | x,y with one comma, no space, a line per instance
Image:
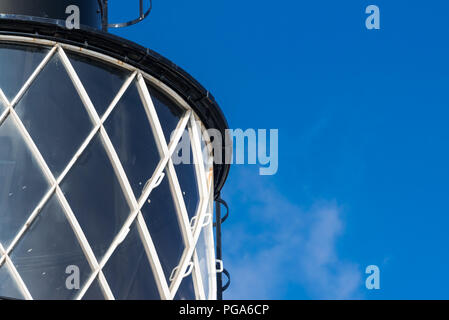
226,286
222,202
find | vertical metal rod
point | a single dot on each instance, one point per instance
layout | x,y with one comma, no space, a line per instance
105,17
219,252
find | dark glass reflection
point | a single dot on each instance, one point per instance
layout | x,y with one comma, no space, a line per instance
8,287
96,198
168,111
186,172
45,252
162,222
54,115
130,131
186,290
22,183
128,271
94,292
101,80
17,63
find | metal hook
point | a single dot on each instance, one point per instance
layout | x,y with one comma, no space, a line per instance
220,264
157,184
220,201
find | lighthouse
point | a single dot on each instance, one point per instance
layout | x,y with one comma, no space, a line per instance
94,202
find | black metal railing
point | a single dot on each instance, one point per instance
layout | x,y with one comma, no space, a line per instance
219,252
104,8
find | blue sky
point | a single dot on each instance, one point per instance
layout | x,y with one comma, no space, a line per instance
362,118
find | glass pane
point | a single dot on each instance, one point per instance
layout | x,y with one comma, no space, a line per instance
96,198
2,106
22,183
186,172
162,222
8,286
94,292
204,258
49,257
128,271
101,80
130,131
168,111
56,119
17,63
186,291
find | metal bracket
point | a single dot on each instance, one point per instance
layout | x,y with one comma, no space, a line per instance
220,267
186,274
157,184
207,220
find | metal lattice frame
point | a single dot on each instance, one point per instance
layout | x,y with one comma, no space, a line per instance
191,230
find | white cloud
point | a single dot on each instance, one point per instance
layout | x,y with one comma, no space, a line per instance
325,274
277,245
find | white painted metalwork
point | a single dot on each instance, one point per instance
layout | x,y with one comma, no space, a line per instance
221,268
190,229
5,260
197,279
